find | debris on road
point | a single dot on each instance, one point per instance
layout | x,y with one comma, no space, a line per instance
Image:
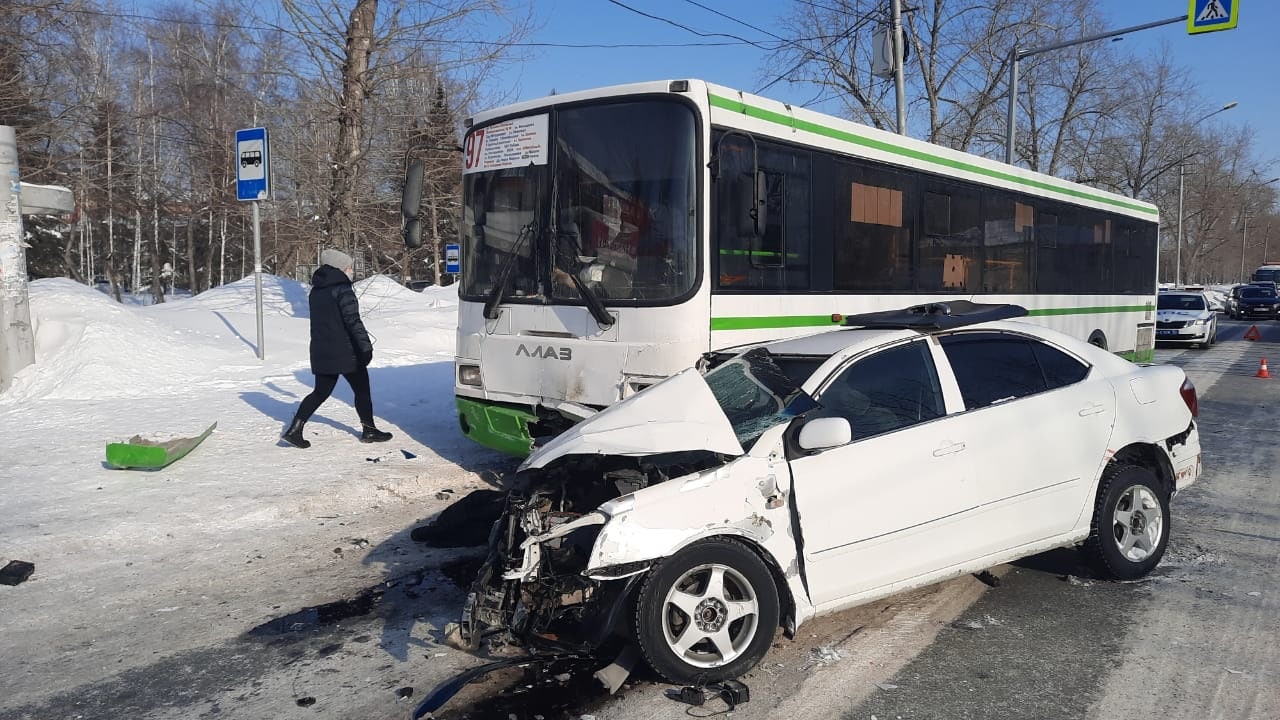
466,523
16,572
533,664
988,578
153,453
306,701
824,655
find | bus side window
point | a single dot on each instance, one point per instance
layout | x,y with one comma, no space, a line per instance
951,244
1007,227
872,240
774,259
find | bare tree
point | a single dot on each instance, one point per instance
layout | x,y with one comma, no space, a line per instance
350,59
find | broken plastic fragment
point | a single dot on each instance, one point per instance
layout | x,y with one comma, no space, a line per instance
16,572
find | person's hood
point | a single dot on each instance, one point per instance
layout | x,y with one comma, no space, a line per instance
327,276
678,414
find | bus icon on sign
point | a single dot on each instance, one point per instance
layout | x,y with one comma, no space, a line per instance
251,157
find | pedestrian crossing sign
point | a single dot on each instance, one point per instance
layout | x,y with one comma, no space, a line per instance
1210,15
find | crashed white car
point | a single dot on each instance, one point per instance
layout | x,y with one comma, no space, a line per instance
1186,317
808,475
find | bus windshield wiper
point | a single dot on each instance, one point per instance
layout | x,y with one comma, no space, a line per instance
504,275
589,297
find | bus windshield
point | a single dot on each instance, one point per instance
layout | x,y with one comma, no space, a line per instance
611,212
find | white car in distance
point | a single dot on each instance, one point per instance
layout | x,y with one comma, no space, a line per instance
804,476
1186,316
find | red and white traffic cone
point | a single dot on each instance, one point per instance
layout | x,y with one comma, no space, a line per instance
1262,370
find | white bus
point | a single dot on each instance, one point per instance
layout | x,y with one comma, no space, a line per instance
612,236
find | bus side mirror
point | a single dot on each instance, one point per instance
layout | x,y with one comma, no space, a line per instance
410,202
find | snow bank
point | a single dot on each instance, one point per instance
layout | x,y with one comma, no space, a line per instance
280,296
90,347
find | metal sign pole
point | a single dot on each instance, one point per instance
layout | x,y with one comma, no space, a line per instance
253,183
257,275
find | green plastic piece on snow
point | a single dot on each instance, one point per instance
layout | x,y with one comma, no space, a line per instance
138,452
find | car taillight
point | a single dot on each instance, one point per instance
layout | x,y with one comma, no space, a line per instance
1189,397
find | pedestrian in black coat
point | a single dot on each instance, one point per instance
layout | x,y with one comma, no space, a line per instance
339,346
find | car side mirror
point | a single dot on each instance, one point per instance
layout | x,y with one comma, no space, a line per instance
823,433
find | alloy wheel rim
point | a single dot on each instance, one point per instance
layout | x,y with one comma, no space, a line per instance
710,615
1137,525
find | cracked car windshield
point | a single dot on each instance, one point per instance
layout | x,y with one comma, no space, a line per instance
757,390
622,199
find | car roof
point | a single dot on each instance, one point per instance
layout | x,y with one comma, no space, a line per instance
836,341
876,328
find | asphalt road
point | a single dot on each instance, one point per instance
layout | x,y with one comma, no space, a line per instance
1197,639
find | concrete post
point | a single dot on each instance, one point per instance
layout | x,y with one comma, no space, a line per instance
17,342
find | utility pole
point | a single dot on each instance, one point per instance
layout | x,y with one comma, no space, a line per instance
898,79
17,343
1244,238
1177,273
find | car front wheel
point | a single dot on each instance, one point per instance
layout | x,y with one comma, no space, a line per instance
707,613
1130,528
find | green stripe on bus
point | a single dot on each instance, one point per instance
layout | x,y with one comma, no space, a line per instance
798,124
1044,312
794,321
755,253
774,321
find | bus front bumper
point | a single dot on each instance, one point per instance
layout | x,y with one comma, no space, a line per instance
500,426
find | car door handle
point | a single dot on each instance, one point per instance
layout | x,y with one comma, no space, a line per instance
1092,409
948,449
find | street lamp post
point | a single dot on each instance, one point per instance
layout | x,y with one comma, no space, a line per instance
1182,172
1016,56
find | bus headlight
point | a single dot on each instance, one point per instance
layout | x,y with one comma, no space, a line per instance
469,375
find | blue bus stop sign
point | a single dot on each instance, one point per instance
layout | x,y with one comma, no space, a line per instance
253,172
453,258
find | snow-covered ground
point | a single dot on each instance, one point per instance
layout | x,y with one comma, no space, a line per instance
242,530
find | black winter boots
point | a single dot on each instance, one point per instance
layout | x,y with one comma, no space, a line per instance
372,434
293,435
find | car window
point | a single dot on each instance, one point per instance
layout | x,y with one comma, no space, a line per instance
997,367
1059,368
891,389
1173,301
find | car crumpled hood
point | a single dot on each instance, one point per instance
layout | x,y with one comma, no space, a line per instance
678,414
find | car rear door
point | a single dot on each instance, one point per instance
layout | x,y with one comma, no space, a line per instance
1039,420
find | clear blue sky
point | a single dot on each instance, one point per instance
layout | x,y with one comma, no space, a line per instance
1240,65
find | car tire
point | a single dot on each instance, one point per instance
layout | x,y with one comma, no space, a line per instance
721,591
1130,527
